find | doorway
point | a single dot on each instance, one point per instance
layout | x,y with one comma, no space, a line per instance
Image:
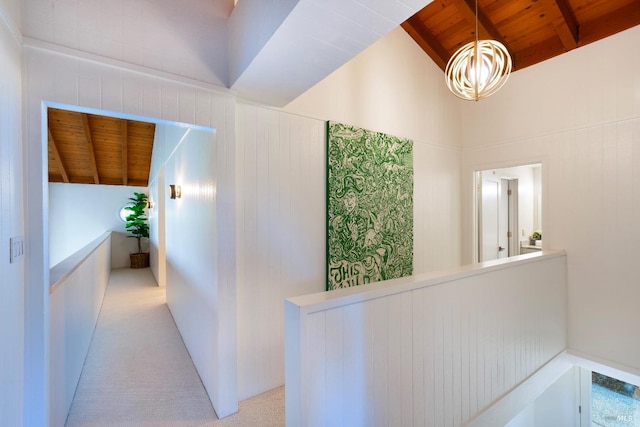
103,196
508,211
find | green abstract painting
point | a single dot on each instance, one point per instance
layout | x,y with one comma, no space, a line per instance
369,206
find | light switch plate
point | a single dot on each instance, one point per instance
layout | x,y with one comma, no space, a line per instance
16,248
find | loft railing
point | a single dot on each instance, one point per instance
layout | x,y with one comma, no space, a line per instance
77,287
435,349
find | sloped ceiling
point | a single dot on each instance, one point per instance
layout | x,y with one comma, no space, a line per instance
94,149
277,53
531,30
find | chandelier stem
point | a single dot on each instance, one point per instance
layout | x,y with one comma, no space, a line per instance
479,68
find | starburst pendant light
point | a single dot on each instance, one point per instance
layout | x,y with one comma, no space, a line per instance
478,69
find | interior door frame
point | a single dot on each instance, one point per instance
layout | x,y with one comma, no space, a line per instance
514,246
476,205
504,207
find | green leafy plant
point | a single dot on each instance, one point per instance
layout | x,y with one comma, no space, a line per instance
536,235
136,221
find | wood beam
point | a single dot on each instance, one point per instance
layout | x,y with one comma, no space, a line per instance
92,156
139,183
427,42
486,28
539,52
609,24
57,160
563,22
125,148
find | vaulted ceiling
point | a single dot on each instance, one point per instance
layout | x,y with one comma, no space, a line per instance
93,149
531,30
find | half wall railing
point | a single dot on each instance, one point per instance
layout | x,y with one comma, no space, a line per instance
435,349
77,287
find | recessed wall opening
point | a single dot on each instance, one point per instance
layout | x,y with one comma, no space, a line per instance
94,162
508,211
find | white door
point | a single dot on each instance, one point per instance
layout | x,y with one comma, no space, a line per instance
503,219
494,211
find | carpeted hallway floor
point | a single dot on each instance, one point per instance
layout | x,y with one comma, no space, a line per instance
138,372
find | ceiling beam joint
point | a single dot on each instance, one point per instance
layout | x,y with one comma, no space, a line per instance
485,27
89,140
427,42
56,157
125,149
563,21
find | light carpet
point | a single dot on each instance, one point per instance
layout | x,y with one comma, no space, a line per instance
139,373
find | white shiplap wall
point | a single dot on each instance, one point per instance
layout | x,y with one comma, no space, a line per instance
194,292
281,233
187,39
204,314
12,276
52,75
281,188
430,351
579,114
393,87
281,166
75,303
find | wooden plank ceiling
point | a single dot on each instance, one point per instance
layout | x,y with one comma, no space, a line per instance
531,30
92,149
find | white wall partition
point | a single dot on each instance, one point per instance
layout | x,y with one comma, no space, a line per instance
393,87
556,406
579,114
281,169
12,223
205,316
433,350
77,289
281,233
53,75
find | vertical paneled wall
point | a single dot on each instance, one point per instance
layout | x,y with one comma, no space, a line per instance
166,139
281,189
281,233
430,351
11,218
436,204
192,264
75,304
393,87
54,77
580,115
191,251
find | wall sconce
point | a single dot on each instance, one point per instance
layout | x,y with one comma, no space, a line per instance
149,204
175,191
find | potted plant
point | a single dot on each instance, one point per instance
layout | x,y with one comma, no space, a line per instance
534,237
137,225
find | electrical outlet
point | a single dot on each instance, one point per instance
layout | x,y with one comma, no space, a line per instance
16,248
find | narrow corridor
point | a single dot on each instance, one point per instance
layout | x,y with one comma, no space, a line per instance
139,373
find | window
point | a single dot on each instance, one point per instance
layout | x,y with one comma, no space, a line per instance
124,213
614,403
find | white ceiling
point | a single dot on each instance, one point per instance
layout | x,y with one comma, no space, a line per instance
277,53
